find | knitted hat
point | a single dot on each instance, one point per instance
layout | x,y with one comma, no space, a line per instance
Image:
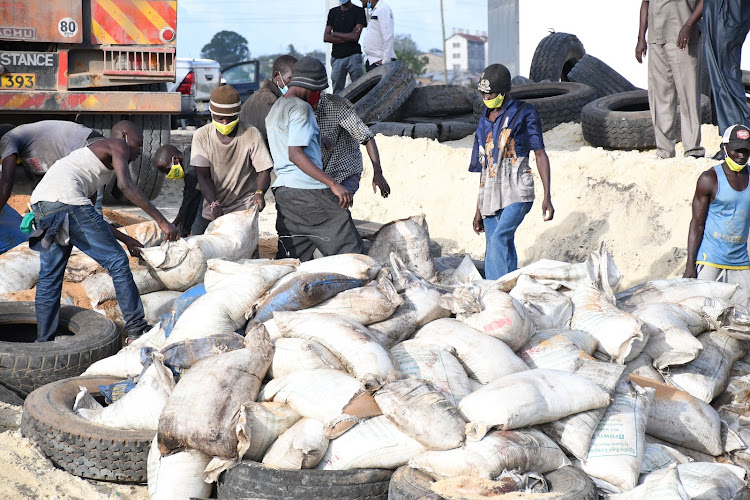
225,101
309,73
495,80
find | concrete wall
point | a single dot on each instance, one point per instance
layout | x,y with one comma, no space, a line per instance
503,25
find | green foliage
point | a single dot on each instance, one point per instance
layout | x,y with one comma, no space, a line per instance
227,47
266,61
407,52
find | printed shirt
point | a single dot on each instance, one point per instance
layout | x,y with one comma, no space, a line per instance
378,42
338,121
344,21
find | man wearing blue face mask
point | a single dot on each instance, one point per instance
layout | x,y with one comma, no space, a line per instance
507,132
343,28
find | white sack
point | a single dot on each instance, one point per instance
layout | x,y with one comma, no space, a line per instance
365,305
146,233
423,413
292,354
300,447
373,443
615,330
642,366
485,358
672,336
155,305
349,264
409,239
363,357
529,398
555,350
695,456
125,364
434,365
181,264
19,269
548,308
265,422
659,456
673,290
668,487
704,481
177,476
707,376
619,442
452,271
99,287
521,450
501,316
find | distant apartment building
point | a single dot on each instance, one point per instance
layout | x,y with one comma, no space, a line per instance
466,52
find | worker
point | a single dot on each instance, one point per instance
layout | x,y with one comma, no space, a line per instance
171,162
231,160
342,131
507,131
378,42
343,29
312,208
675,54
256,108
717,239
65,217
725,27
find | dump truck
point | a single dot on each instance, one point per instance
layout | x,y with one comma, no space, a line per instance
94,62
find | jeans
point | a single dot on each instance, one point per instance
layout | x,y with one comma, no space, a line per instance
500,230
351,65
90,234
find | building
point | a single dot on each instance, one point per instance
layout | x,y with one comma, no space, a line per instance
466,52
434,62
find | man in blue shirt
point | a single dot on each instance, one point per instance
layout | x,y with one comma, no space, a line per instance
508,130
312,208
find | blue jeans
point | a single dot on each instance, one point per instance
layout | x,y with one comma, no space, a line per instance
500,229
91,234
351,65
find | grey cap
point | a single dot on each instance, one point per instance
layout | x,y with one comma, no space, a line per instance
309,73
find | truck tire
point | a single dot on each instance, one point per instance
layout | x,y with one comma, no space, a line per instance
623,121
379,94
413,130
597,74
26,365
156,132
78,446
439,100
253,480
568,482
556,103
555,56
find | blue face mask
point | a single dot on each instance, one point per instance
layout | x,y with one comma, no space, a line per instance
369,5
343,1
284,89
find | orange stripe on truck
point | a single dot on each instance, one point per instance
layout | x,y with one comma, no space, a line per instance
128,22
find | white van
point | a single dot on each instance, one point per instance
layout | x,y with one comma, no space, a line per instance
195,80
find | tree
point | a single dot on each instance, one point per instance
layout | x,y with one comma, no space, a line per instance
407,52
226,47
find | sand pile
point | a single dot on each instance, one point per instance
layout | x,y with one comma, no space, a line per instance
638,205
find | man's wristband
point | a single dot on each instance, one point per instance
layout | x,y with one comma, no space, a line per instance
259,191
214,204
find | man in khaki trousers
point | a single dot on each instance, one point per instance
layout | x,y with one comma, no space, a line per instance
675,55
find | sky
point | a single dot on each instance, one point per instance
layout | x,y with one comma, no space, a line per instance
270,26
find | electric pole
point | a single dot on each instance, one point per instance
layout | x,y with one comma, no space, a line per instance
445,52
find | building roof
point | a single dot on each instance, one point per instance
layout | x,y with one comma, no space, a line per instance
471,38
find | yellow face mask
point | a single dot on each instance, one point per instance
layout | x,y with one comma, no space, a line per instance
226,129
176,172
733,165
494,103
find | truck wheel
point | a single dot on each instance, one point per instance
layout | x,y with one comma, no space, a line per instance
556,103
156,130
380,92
78,446
26,365
555,56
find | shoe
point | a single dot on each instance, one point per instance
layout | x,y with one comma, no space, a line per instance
135,335
697,156
719,156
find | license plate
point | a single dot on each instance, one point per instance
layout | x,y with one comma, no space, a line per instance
18,81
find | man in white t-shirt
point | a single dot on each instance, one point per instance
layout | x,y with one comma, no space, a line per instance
379,35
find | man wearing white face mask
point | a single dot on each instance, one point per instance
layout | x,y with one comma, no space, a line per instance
717,240
231,160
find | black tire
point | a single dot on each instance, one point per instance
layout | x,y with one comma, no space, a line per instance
623,121
75,444
26,365
379,94
520,80
597,74
10,397
568,482
254,480
555,56
439,100
556,103
156,132
413,130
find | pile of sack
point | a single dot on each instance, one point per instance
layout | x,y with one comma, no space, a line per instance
396,358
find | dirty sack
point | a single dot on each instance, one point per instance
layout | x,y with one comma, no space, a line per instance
485,358
301,446
673,290
365,305
659,456
521,450
642,366
19,269
557,349
705,481
548,308
265,422
155,305
668,487
422,413
293,354
354,265
179,475
409,239
99,287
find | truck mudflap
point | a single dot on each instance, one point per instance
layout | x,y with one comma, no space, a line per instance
90,102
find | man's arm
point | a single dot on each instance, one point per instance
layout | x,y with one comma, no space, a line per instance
264,181
378,180
298,157
353,124
120,157
209,191
704,191
683,37
641,46
542,165
7,177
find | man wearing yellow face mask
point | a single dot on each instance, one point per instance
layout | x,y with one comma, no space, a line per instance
231,160
507,132
717,240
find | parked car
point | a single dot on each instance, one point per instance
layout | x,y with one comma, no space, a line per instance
243,76
195,80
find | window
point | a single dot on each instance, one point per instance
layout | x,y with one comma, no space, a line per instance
456,45
456,56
